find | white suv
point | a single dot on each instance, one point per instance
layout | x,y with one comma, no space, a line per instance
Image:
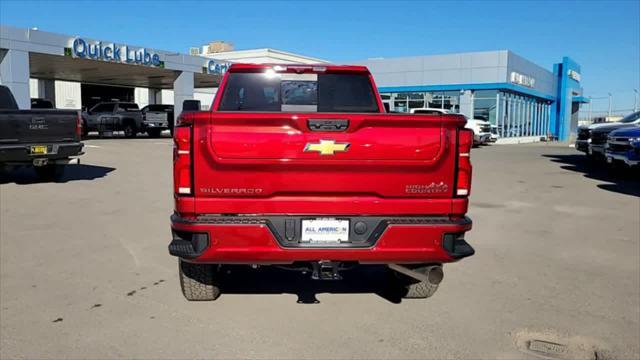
481,129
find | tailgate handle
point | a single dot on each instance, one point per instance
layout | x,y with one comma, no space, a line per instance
328,124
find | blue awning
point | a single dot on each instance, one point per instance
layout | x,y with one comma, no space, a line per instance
581,99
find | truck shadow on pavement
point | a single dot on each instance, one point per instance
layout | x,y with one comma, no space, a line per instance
27,175
620,180
364,279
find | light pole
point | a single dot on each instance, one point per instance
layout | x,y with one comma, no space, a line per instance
635,100
609,107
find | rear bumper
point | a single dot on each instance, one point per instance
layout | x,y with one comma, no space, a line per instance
482,138
265,240
151,125
21,154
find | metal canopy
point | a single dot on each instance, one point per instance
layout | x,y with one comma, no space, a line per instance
43,66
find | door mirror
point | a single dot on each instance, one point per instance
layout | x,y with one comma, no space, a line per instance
191,105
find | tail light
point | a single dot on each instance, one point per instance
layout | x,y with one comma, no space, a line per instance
463,181
79,125
182,184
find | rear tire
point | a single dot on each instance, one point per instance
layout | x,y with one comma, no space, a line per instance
413,288
154,133
130,130
199,282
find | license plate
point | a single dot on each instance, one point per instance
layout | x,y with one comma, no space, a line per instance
325,230
590,150
38,149
609,159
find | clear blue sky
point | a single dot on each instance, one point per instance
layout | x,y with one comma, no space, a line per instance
603,36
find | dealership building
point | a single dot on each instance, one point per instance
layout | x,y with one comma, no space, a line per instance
523,101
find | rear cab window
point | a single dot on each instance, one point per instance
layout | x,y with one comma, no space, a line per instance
128,107
305,92
101,108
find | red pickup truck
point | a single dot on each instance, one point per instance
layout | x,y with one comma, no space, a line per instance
301,167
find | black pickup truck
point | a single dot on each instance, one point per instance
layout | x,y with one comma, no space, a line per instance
47,139
107,117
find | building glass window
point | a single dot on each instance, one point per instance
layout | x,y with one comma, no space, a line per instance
485,105
519,115
434,100
416,100
451,100
400,102
512,114
403,102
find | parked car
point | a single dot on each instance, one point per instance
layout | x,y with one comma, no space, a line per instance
623,145
37,103
264,179
481,128
584,138
430,111
600,134
44,138
107,117
156,118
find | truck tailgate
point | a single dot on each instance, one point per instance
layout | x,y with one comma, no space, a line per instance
37,126
261,156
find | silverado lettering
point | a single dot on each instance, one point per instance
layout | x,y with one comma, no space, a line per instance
300,166
230,190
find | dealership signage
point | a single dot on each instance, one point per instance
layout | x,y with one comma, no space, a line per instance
574,75
523,80
115,53
214,67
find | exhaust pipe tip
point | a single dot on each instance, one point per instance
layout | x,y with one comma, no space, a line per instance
435,275
432,274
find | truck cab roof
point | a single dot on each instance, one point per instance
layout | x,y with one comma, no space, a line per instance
297,68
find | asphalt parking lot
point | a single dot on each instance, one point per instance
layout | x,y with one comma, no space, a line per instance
85,271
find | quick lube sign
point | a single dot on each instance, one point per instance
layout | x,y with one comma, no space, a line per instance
115,53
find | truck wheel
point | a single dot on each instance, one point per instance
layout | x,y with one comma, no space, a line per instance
198,281
130,130
154,133
50,172
415,289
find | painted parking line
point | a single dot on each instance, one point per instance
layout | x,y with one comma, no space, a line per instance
93,146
